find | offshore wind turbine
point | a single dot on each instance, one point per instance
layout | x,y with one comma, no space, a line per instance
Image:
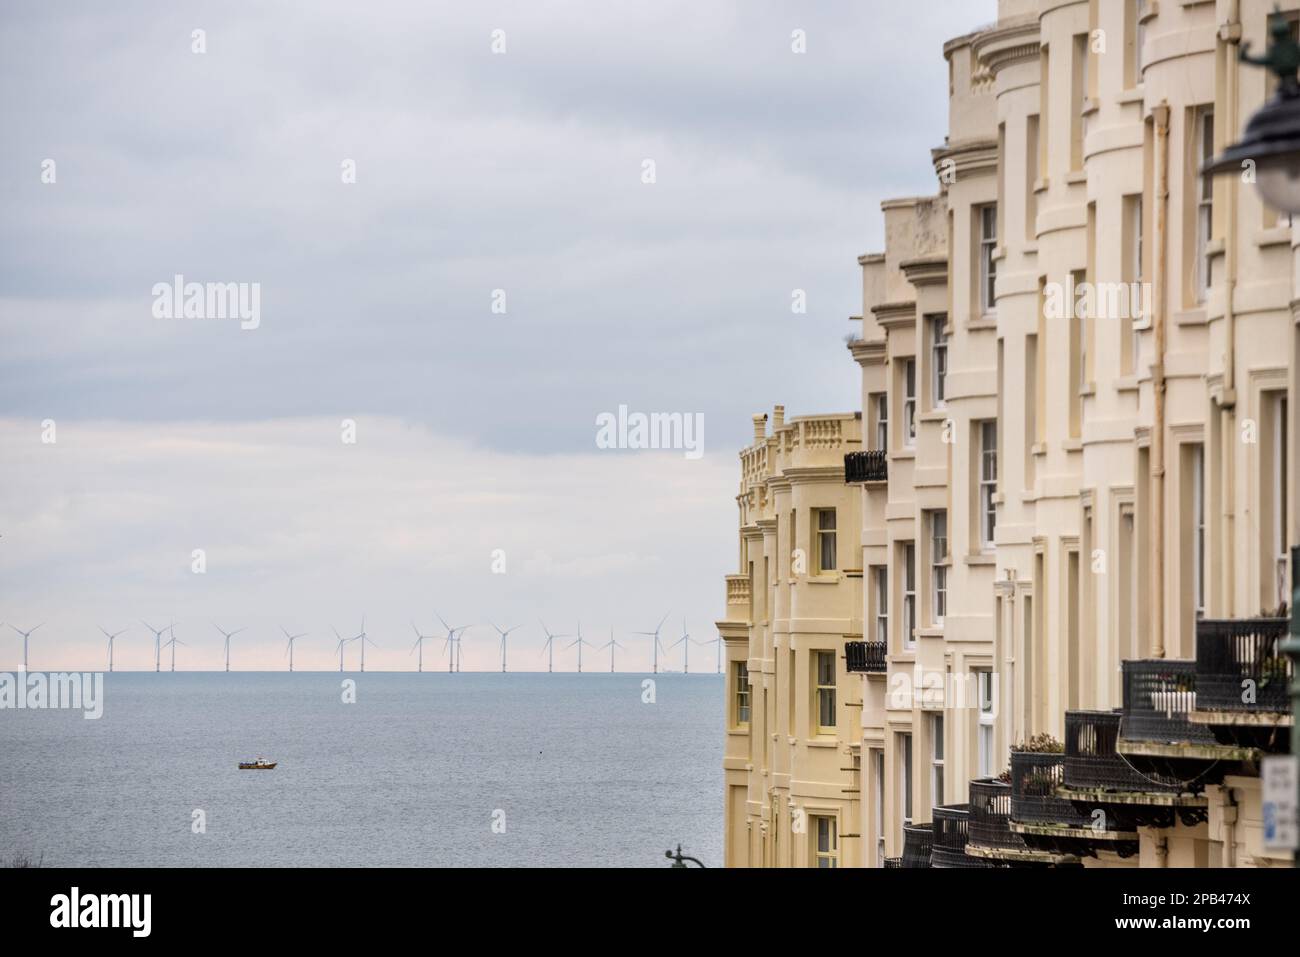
580,642
292,639
657,644
173,643
110,638
419,643
685,642
548,647
363,639
157,645
451,644
228,635
611,645
339,648
714,641
504,635
26,634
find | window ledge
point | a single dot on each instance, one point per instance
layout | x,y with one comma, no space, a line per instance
1041,184
904,453
1277,236
1134,95
934,631
1075,177
1038,448
1073,445
987,321
1191,317
739,730
1128,383
981,558
823,742
1088,389
1090,106
938,414
823,579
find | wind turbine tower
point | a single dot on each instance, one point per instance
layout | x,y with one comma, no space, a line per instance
504,635
227,635
292,639
110,638
657,645
26,634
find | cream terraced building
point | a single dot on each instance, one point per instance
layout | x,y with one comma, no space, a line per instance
1067,504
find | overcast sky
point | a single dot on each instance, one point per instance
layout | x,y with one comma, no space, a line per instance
475,171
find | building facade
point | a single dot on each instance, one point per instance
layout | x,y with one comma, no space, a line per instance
1075,487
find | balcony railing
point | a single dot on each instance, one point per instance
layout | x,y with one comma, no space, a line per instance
1035,777
893,862
872,466
1159,694
990,816
951,828
865,657
1239,667
917,839
1092,763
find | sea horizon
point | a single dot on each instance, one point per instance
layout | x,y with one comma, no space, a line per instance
526,769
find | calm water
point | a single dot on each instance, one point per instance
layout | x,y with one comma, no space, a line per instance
410,774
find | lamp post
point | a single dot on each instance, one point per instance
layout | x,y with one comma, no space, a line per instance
1269,150
1269,155
679,859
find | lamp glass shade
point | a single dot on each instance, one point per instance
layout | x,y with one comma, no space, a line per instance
1278,183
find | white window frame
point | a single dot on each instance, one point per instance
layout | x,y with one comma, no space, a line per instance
909,595
1204,131
985,730
938,360
826,539
988,482
988,268
909,403
882,421
936,759
938,566
824,691
740,670
880,576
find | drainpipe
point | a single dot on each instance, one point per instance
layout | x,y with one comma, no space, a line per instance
1228,812
1160,119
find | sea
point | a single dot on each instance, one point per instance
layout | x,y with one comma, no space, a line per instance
375,769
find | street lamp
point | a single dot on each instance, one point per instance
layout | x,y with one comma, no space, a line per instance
679,859
1270,147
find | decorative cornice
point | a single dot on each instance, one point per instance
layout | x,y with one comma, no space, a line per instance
895,314
927,271
967,156
1007,44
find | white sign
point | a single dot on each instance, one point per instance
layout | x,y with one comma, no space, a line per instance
1281,779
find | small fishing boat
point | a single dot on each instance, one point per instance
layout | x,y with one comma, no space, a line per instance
261,764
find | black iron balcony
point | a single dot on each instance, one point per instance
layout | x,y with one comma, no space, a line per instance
917,839
1050,821
893,862
1239,667
1035,776
989,826
870,466
951,825
865,657
1093,764
1159,695
990,835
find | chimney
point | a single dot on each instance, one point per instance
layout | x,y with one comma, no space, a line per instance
778,417
760,428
